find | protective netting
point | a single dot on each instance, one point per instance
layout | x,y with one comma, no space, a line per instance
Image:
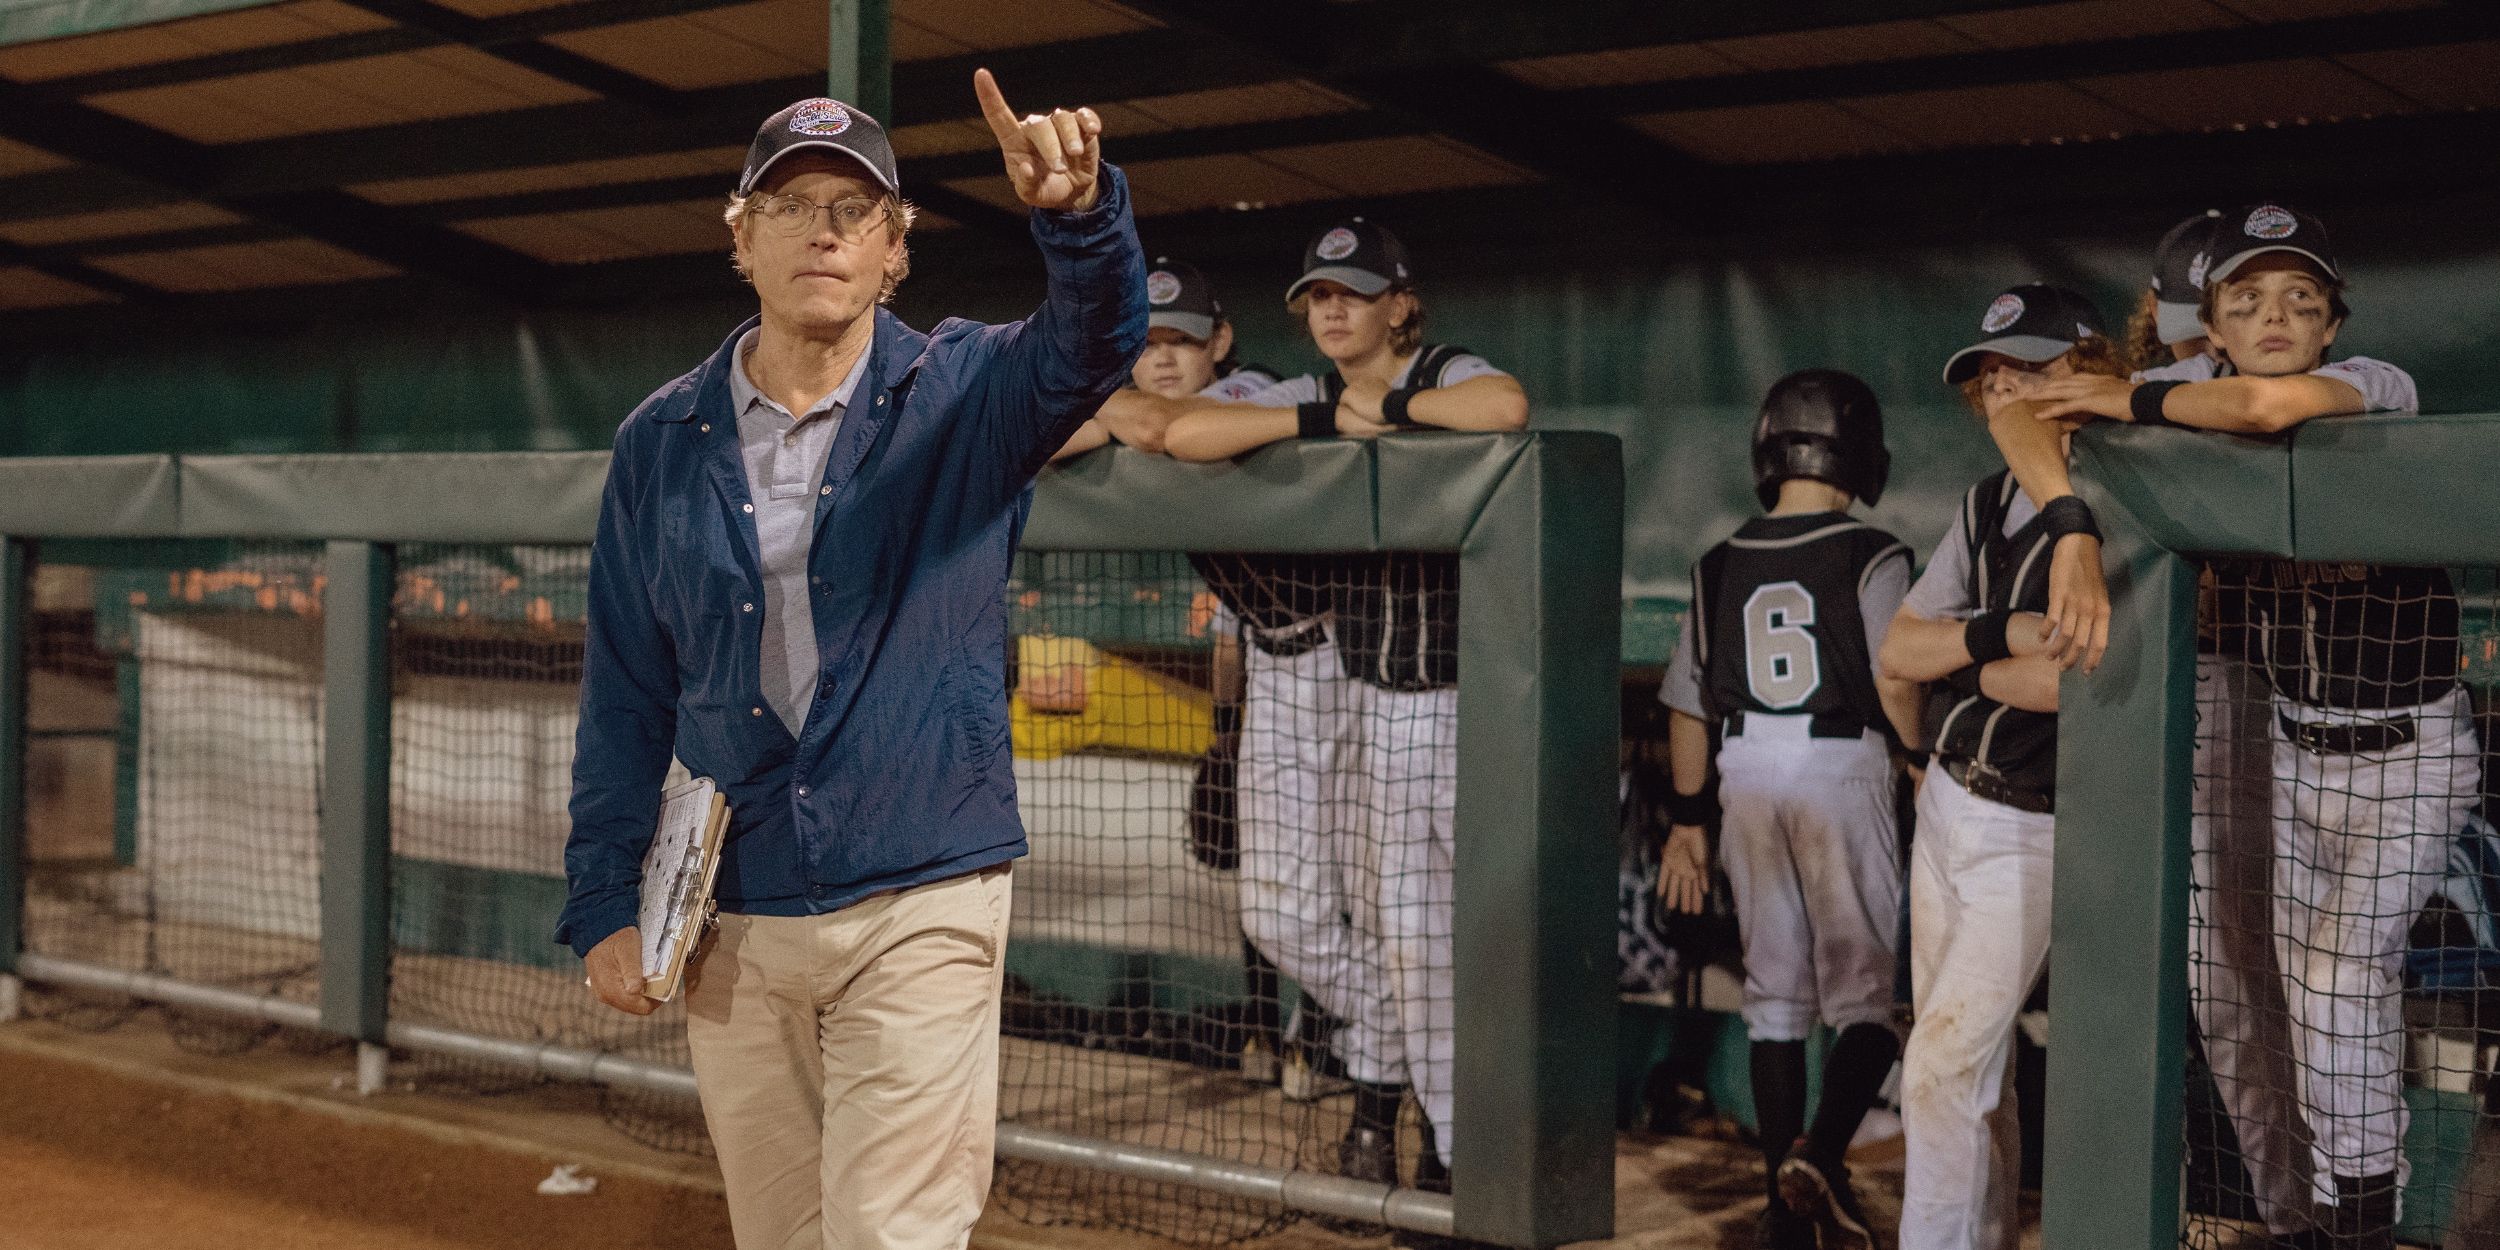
1233,936
1232,939
486,661
2345,912
175,704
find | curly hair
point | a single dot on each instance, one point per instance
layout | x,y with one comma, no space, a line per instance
2144,348
2093,355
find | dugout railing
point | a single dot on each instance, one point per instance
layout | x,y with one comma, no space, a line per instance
1535,519
2412,491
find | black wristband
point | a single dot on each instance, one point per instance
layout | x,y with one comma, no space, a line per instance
1316,419
1393,407
2069,514
1918,759
1984,636
1693,809
2146,401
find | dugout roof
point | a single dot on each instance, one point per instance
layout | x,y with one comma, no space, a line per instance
212,155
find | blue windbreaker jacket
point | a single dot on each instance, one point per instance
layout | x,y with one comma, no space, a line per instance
901,774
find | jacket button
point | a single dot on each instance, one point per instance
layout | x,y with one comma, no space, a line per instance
746,607
747,507
824,490
707,427
802,791
881,401
755,711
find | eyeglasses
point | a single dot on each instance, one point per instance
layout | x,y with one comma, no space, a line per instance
793,216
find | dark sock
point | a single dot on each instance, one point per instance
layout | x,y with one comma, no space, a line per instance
1779,1104
1376,1106
1853,1074
1265,1012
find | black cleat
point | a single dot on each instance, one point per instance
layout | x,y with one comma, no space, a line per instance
1783,1229
1827,1201
1368,1154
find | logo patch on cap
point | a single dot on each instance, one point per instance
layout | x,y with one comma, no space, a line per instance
1337,244
2197,268
2006,311
823,118
1162,287
2270,223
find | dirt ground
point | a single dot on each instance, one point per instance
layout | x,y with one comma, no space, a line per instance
121,1139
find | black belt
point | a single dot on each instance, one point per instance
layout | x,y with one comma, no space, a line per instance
1826,725
1309,638
2367,737
1987,783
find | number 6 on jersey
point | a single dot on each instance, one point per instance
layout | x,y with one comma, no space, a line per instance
1782,663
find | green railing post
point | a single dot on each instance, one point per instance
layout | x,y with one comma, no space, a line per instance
858,68
2126,760
356,798
1539,722
15,560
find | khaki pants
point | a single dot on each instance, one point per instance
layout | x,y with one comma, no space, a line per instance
848,1065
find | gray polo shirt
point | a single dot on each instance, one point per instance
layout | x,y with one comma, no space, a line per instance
785,459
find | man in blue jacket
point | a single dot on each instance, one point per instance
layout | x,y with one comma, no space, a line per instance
798,589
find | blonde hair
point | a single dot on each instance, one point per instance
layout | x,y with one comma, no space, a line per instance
2095,354
1403,338
899,216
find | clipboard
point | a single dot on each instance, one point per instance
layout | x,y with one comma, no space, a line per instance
677,876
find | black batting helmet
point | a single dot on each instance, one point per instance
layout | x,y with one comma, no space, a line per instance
1822,424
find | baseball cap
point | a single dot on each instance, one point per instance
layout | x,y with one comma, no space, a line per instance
2034,323
2179,266
820,123
1366,258
1178,297
2250,232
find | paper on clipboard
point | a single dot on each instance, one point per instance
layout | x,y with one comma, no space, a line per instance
677,874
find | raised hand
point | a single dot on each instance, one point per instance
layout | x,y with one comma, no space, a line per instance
1054,160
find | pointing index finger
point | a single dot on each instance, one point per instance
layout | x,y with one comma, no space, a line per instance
994,110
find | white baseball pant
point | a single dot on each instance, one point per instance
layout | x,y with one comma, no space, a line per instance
2234,985
2360,842
1297,847
1405,798
1979,932
1810,847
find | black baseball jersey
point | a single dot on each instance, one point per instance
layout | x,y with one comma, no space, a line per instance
2008,573
1781,625
1397,612
2358,637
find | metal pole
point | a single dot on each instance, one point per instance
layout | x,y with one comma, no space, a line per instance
1325,1195
858,68
356,790
15,559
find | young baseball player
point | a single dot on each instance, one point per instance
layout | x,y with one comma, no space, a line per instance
1979,866
2163,331
1189,351
1778,656
2235,988
2375,759
1396,630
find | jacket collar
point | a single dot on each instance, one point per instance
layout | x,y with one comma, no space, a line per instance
895,352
